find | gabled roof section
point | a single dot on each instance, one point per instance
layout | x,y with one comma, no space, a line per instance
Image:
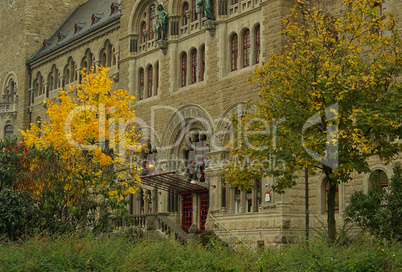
79,24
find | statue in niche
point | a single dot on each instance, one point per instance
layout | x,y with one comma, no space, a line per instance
207,9
162,26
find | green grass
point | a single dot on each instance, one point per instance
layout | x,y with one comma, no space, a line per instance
112,253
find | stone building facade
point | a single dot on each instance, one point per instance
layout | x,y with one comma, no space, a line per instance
187,87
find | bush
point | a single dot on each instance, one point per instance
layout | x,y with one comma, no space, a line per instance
19,216
379,211
117,253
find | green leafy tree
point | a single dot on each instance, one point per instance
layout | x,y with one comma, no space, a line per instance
379,211
330,98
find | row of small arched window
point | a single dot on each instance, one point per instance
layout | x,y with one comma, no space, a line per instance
148,79
192,68
107,58
250,48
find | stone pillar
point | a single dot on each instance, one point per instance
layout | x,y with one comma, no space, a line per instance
212,176
254,203
230,193
242,201
146,204
196,210
137,203
154,200
61,81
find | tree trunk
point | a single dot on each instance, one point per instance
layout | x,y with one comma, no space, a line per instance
331,212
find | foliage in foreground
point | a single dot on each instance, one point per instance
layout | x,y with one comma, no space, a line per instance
105,253
68,167
330,99
379,211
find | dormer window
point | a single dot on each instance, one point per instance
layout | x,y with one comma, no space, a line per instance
60,36
45,44
95,18
77,27
114,8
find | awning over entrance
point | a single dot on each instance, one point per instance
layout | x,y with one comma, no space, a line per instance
171,182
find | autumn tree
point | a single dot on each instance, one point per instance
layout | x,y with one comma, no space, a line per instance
330,99
79,157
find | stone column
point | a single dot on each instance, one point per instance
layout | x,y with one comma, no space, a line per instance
146,204
242,201
230,193
137,203
254,202
196,210
154,200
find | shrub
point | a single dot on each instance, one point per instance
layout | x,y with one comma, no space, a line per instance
19,216
379,211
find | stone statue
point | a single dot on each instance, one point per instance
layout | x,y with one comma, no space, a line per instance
207,9
162,25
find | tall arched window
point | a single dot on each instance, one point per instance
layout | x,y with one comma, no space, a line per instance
202,63
107,54
382,7
87,60
257,44
184,14
53,78
184,70
234,52
141,85
69,72
151,22
381,176
10,91
194,66
143,29
246,48
9,131
150,79
38,86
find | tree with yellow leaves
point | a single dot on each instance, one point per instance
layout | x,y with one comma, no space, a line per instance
81,153
330,99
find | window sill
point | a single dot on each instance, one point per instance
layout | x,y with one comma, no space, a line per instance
147,99
191,86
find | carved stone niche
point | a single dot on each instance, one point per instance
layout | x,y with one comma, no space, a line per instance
163,44
210,26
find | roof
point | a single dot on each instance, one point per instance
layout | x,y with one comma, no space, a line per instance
171,182
80,18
